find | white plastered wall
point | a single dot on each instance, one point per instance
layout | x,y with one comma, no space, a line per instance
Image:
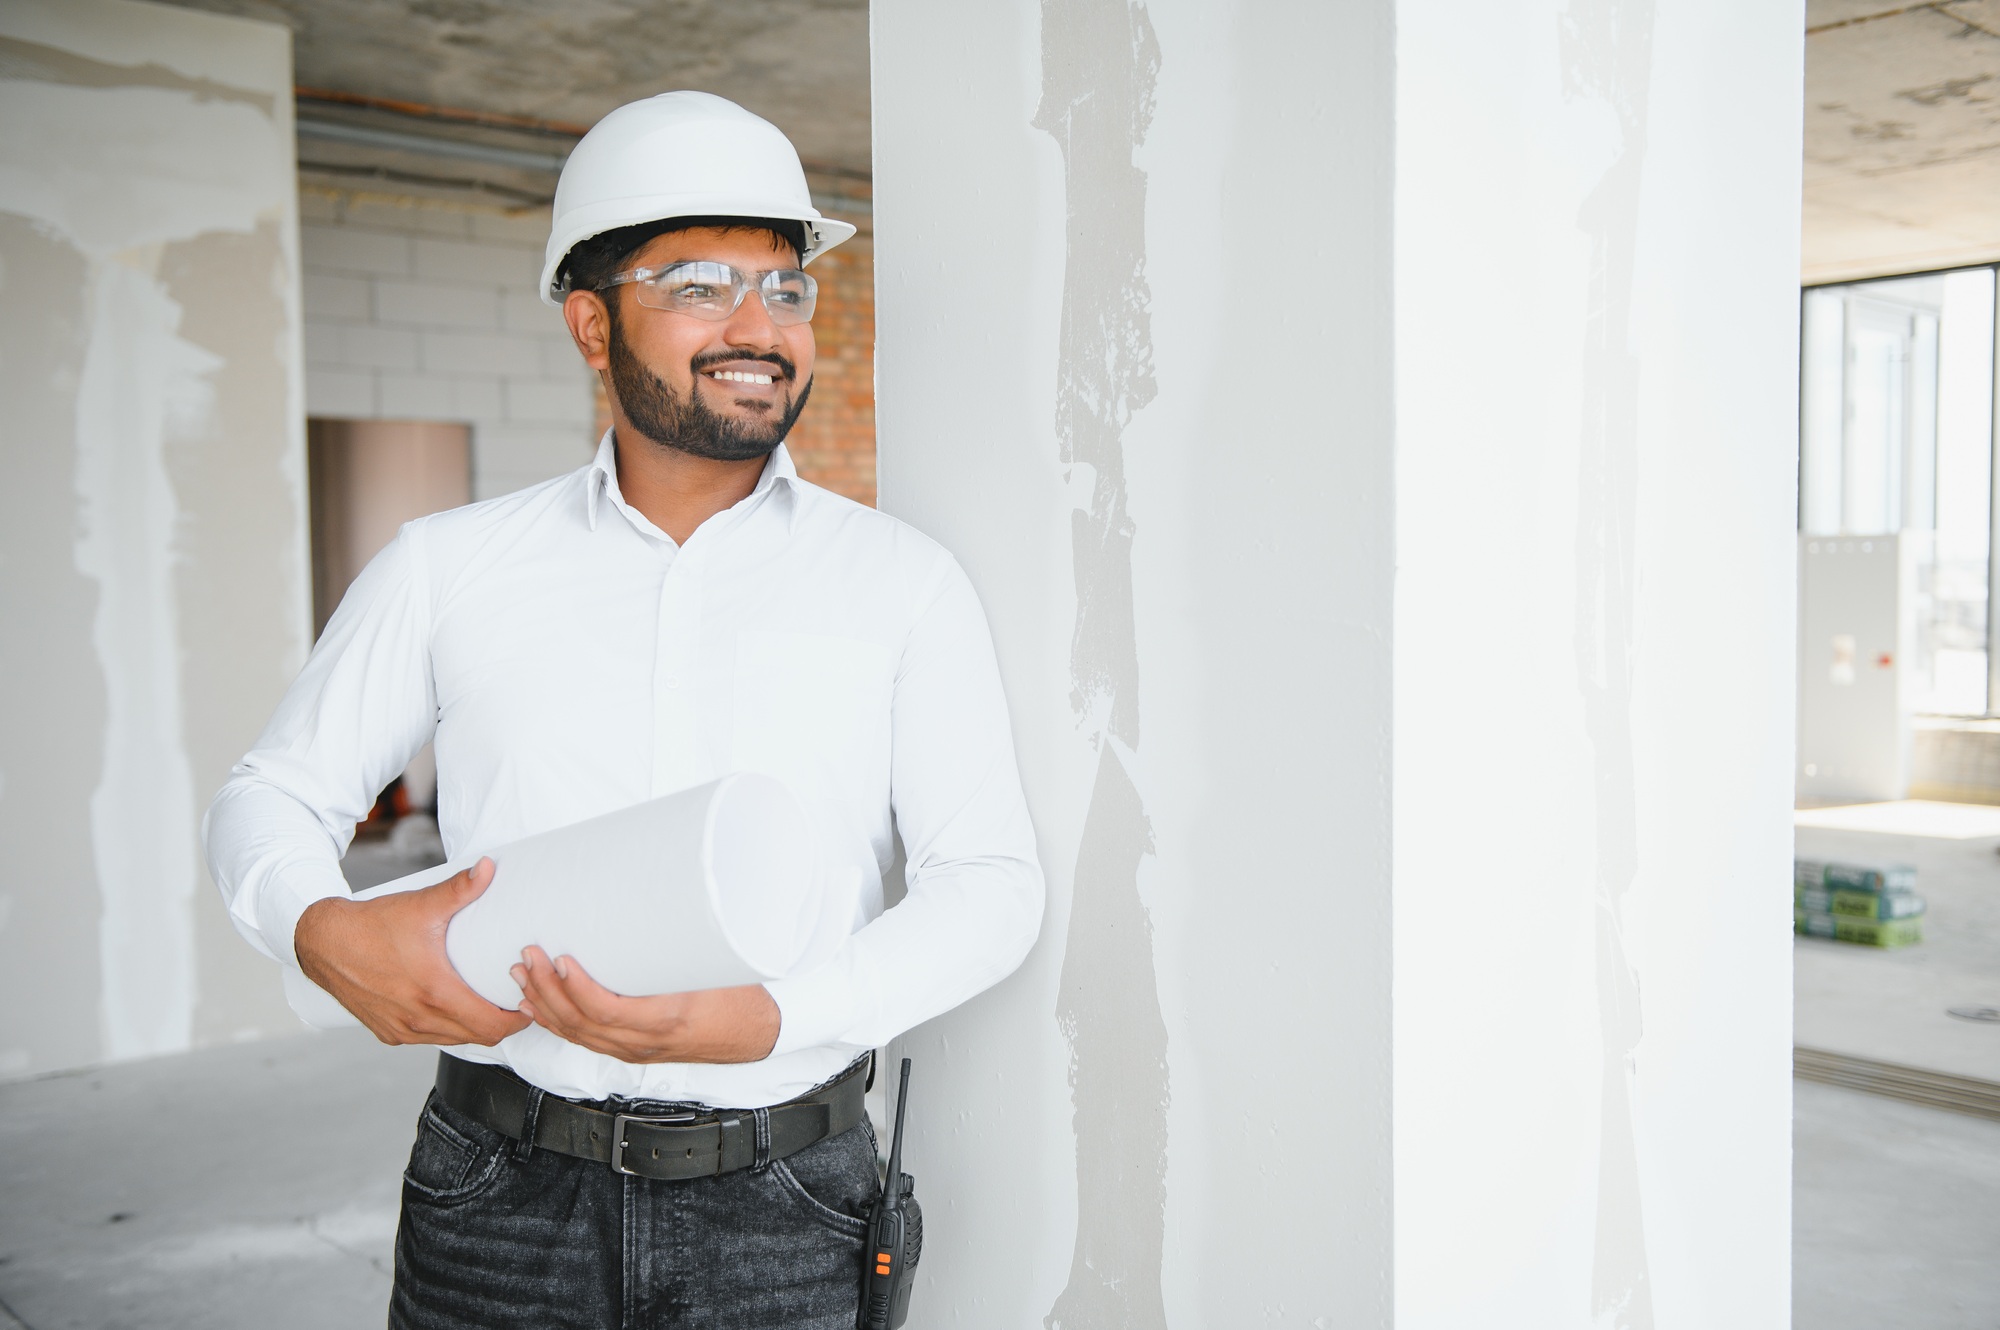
152,516
1155,425
1264,364
1597,324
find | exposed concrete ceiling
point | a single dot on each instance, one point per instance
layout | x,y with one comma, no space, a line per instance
803,64
1902,115
1902,136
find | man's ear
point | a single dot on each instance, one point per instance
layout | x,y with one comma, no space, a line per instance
589,327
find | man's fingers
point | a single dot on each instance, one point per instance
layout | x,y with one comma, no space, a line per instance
529,974
591,998
385,962
453,1013
498,1025
562,998
384,1031
463,887
553,1007
433,1029
477,1021
471,884
554,1001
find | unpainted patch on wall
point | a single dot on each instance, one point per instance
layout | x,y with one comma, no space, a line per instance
1607,56
52,727
48,64
1100,63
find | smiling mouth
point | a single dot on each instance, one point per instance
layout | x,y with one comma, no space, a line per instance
738,376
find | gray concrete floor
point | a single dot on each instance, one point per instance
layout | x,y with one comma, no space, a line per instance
1891,1005
1896,1207
232,1189
251,1187
247,1187
1895,1214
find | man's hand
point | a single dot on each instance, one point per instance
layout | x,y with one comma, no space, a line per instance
384,961
713,1025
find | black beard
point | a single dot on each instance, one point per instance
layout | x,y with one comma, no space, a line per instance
686,423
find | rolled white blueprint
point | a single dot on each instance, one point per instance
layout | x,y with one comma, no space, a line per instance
708,888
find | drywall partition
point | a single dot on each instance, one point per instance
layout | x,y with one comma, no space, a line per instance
152,531
1332,400
1133,368
1597,347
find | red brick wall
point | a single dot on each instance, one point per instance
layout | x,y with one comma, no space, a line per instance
834,441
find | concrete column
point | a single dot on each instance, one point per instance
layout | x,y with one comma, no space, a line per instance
153,578
1372,429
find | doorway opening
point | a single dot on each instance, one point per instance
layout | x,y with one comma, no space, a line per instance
366,478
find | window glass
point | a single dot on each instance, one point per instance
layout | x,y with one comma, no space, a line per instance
1896,436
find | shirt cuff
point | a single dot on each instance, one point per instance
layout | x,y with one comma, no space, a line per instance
816,1009
284,901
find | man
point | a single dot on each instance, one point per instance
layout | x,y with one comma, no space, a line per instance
681,608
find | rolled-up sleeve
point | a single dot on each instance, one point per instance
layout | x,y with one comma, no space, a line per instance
359,711
975,898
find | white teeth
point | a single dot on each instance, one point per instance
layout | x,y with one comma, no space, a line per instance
739,376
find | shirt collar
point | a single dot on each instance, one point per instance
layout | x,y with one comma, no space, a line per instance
602,478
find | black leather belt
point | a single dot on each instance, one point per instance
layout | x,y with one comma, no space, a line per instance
693,1143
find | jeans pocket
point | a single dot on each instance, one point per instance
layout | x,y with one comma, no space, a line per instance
834,1182
454,1158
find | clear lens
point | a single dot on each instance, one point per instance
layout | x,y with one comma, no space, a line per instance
789,295
709,290
705,290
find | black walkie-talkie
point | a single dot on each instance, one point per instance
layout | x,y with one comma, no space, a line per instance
895,1236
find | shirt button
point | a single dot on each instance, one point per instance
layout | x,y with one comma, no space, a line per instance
672,681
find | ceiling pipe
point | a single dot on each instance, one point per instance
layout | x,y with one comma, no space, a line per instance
563,129
424,111
434,145
399,183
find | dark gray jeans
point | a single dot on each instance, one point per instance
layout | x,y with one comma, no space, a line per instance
498,1236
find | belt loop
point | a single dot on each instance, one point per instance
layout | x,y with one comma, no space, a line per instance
761,1119
524,1148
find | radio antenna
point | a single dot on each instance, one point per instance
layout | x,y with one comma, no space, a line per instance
895,1180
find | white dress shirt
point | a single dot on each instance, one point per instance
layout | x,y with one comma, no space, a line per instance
568,659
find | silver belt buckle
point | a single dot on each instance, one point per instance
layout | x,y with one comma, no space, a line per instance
619,1121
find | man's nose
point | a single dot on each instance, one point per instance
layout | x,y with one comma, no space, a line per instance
751,325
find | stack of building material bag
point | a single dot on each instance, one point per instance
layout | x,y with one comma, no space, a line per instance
1876,907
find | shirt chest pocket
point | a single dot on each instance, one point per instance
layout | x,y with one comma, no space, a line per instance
813,710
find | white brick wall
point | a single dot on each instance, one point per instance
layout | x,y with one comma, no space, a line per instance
430,313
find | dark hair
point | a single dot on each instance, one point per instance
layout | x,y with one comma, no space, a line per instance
592,262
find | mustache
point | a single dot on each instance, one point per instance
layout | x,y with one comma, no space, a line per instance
709,359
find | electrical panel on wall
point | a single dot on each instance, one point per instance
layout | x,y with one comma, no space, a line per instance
1857,651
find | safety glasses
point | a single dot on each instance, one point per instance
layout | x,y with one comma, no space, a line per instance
713,291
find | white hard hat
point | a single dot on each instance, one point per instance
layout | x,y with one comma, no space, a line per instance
681,154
